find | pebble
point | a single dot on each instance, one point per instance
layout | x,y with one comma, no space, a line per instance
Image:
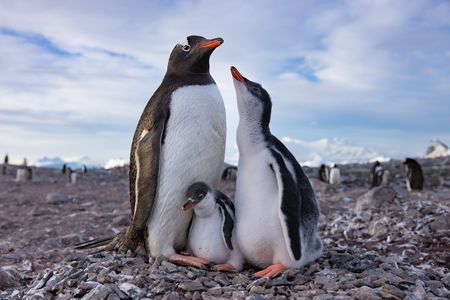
56,198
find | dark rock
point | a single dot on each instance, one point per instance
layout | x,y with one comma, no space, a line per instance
191,286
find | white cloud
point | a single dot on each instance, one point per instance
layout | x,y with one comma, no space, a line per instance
386,62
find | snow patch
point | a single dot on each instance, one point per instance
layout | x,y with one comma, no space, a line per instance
329,151
437,149
115,162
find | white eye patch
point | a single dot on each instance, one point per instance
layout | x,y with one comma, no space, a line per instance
184,42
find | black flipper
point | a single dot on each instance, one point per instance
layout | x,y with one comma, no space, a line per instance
289,206
226,208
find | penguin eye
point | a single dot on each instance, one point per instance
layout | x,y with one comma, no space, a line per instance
201,196
186,48
255,90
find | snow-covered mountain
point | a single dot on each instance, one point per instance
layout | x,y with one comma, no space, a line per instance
437,149
57,162
328,151
115,162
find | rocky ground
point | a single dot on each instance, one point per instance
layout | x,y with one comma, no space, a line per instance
397,250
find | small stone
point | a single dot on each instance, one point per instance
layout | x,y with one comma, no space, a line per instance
191,286
171,296
7,279
56,198
99,292
238,295
255,297
239,279
215,291
131,290
118,292
419,292
388,289
258,282
222,280
323,297
366,293
256,289
41,280
170,266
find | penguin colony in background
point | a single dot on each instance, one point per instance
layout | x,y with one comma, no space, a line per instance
176,160
72,174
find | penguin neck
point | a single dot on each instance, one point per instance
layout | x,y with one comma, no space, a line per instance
251,136
205,208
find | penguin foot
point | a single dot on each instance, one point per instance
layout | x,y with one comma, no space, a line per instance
189,261
224,268
272,271
130,240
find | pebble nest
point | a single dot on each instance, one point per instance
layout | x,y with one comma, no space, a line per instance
393,250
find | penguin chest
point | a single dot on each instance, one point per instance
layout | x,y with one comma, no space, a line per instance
195,132
205,238
258,229
192,150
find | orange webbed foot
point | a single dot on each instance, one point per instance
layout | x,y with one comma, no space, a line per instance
224,268
271,271
189,261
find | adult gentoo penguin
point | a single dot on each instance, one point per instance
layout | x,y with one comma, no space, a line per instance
180,139
376,175
335,175
414,175
211,232
276,209
323,173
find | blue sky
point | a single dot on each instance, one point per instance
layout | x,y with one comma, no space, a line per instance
75,76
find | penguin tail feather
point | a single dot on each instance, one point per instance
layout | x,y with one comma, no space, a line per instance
95,243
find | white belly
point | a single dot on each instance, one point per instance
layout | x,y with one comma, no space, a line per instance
258,229
193,150
335,176
205,238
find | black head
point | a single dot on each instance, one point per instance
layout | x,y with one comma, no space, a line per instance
195,194
253,100
410,162
192,56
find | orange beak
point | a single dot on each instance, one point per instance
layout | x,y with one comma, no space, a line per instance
236,74
214,43
188,205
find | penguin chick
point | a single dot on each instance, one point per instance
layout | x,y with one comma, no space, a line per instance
276,209
210,235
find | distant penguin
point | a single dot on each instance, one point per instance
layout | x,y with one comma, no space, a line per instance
5,164
23,174
229,173
84,169
323,173
72,175
25,162
414,175
210,235
376,174
335,175
276,209
29,173
180,139
64,168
